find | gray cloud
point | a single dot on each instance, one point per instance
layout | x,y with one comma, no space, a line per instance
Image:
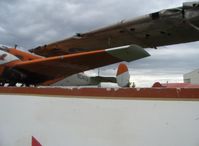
31,23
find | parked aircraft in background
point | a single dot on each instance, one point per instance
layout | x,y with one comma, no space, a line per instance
122,79
22,67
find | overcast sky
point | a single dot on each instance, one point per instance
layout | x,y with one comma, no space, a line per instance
30,23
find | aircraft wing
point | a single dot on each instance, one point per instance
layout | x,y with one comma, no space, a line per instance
166,27
44,69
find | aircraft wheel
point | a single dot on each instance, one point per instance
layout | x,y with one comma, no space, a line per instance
2,84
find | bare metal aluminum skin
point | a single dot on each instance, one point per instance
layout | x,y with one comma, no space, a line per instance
165,27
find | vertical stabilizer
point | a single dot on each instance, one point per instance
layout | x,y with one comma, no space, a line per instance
123,76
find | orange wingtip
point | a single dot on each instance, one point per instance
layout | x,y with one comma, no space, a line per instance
122,68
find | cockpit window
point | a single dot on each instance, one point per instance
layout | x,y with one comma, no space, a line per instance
4,48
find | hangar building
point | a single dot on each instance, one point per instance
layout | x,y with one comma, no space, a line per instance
192,77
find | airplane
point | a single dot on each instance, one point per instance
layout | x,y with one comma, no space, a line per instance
85,51
81,79
17,66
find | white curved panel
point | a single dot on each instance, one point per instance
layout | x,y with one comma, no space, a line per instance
94,122
6,57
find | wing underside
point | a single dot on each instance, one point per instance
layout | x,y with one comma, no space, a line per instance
166,27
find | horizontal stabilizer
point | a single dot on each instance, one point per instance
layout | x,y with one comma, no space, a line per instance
102,79
122,77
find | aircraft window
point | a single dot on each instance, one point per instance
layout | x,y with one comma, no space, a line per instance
147,35
132,29
162,32
155,15
20,57
122,31
4,48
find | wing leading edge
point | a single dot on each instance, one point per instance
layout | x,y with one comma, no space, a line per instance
45,69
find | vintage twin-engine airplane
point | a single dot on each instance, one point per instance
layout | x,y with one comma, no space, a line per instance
22,67
86,51
122,79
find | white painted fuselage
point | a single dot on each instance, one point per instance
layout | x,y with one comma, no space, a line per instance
80,79
92,122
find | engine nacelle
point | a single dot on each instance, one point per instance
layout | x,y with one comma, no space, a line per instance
13,75
191,10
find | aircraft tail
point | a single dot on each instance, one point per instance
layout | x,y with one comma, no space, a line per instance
122,79
123,76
